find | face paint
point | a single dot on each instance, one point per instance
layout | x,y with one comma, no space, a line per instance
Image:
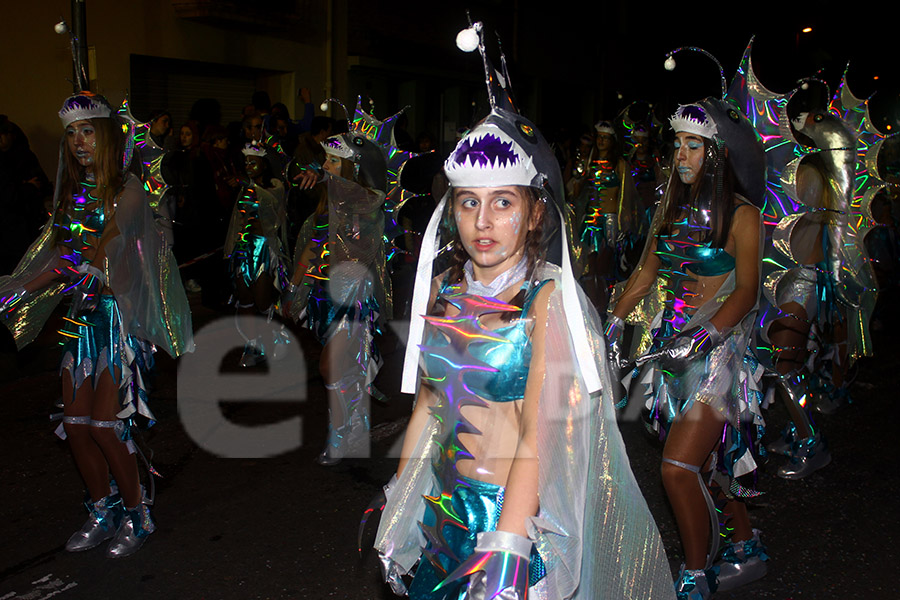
489,221
253,166
689,152
332,165
82,142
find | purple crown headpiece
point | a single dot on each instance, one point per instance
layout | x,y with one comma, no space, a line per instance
692,118
254,148
605,127
84,105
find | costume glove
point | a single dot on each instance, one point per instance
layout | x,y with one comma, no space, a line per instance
690,344
391,571
613,333
497,570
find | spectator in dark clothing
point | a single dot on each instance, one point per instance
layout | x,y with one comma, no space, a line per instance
401,135
197,204
214,278
25,192
160,127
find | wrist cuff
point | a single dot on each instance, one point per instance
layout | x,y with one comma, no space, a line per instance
504,541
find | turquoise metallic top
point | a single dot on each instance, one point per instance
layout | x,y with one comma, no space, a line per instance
681,251
82,227
508,356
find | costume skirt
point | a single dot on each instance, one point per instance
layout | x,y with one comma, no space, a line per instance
728,380
94,342
251,258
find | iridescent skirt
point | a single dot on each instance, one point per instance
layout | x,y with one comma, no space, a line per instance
94,342
600,230
250,259
334,305
728,380
478,504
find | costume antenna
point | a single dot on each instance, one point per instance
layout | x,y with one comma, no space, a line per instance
670,63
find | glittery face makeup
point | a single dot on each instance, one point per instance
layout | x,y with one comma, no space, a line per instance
82,142
492,226
253,165
332,165
689,152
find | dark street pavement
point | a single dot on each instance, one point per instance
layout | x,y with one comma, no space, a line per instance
284,527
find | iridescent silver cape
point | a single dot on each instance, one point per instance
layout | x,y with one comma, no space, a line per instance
593,531
140,269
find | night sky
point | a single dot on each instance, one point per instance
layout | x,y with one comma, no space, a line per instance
619,50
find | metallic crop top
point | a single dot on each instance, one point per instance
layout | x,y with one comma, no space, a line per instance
604,175
498,360
681,251
81,227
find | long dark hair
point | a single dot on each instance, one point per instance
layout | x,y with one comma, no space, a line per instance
535,207
714,182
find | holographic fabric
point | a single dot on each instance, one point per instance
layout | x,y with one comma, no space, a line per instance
506,353
604,208
95,342
589,500
346,291
140,269
729,378
798,210
478,505
255,241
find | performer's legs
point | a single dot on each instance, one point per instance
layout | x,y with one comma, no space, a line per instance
88,456
789,335
343,365
691,439
104,426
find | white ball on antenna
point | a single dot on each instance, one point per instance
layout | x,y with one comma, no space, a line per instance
61,27
669,64
805,86
324,106
467,39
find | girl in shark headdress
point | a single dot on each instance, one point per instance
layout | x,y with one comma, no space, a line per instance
700,383
513,479
102,245
340,279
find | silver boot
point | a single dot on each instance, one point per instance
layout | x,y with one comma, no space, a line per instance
136,526
742,562
694,585
784,442
253,355
807,455
103,520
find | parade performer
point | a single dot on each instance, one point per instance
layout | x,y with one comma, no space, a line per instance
605,216
819,286
700,382
340,275
102,246
513,479
255,246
